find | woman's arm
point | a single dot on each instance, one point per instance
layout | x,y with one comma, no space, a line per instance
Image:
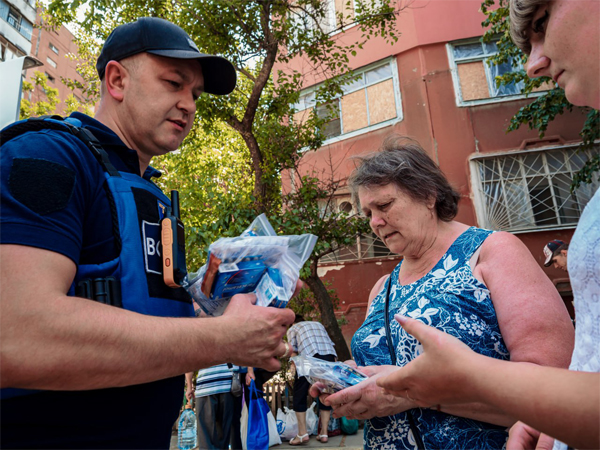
558,402
532,317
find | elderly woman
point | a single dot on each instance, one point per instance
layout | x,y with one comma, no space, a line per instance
480,286
562,39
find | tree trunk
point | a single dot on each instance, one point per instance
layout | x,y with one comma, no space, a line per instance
328,318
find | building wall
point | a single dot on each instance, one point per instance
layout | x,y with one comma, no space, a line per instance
451,134
16,24
52,49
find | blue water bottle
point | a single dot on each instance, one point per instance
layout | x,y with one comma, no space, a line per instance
187,436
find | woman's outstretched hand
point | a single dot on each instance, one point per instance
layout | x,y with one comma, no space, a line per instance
441,374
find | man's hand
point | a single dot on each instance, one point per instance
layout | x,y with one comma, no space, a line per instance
253,335
523,437
440,375
365,400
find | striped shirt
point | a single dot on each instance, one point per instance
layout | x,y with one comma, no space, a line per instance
214,380
310,338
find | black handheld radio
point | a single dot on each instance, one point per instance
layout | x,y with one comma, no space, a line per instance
173,244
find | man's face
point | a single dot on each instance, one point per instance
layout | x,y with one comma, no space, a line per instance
565,45
159,103
560,261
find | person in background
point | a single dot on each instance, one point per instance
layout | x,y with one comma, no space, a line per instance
555,252
213,405
562,39
76,217
309,338
456,278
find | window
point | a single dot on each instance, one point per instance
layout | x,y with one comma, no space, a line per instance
475,80
371,100
24,27
51,79
305,18
51,62
530,190
366,247
53,48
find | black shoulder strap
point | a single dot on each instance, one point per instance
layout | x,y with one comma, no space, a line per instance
86,136
58,123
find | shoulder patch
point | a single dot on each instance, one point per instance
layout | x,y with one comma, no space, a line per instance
41,185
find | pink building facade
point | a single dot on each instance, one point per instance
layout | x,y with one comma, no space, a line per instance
435,86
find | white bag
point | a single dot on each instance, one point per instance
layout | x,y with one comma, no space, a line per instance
274,438
287,423
244,423
312,420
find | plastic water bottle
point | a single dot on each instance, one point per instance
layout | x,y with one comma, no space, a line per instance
187,436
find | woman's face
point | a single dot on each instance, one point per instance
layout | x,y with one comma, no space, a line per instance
565,45
399,221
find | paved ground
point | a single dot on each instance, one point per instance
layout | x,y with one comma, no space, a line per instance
354,442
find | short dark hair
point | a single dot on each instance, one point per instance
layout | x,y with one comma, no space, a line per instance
403,161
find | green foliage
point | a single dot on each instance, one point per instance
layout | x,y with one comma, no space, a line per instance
226,180
41,107
544,109
211,173
305,304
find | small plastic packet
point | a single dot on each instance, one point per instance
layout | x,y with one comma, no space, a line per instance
258,261
334,376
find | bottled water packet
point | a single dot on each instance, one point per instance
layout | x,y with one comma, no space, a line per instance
258,261
334,376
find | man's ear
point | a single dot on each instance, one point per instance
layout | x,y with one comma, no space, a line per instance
564,253
116,77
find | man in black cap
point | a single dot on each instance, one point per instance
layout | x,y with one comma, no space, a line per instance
94,342
555,253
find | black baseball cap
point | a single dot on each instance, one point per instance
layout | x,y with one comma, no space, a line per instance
163,38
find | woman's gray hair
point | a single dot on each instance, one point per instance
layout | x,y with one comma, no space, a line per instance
521,19
403,162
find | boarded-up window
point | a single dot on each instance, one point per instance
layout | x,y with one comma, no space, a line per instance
354,109
370,98
475,79
382,105
473,82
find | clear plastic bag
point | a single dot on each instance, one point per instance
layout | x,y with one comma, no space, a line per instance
258,261
334,376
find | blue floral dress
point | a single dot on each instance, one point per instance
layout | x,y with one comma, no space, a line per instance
451,299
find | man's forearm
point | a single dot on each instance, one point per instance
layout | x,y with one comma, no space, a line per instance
79,344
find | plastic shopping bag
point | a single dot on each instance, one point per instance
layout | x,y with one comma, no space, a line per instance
287,423
312,420
274,438
244,422
258,425
349,426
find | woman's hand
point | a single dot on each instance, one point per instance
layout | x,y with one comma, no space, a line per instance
365,400
522,437
439,375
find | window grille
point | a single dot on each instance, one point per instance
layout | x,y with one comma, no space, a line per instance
531,190
367,247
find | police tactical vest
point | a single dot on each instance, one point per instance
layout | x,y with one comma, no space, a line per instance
134,279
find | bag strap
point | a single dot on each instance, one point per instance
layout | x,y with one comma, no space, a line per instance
409,415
